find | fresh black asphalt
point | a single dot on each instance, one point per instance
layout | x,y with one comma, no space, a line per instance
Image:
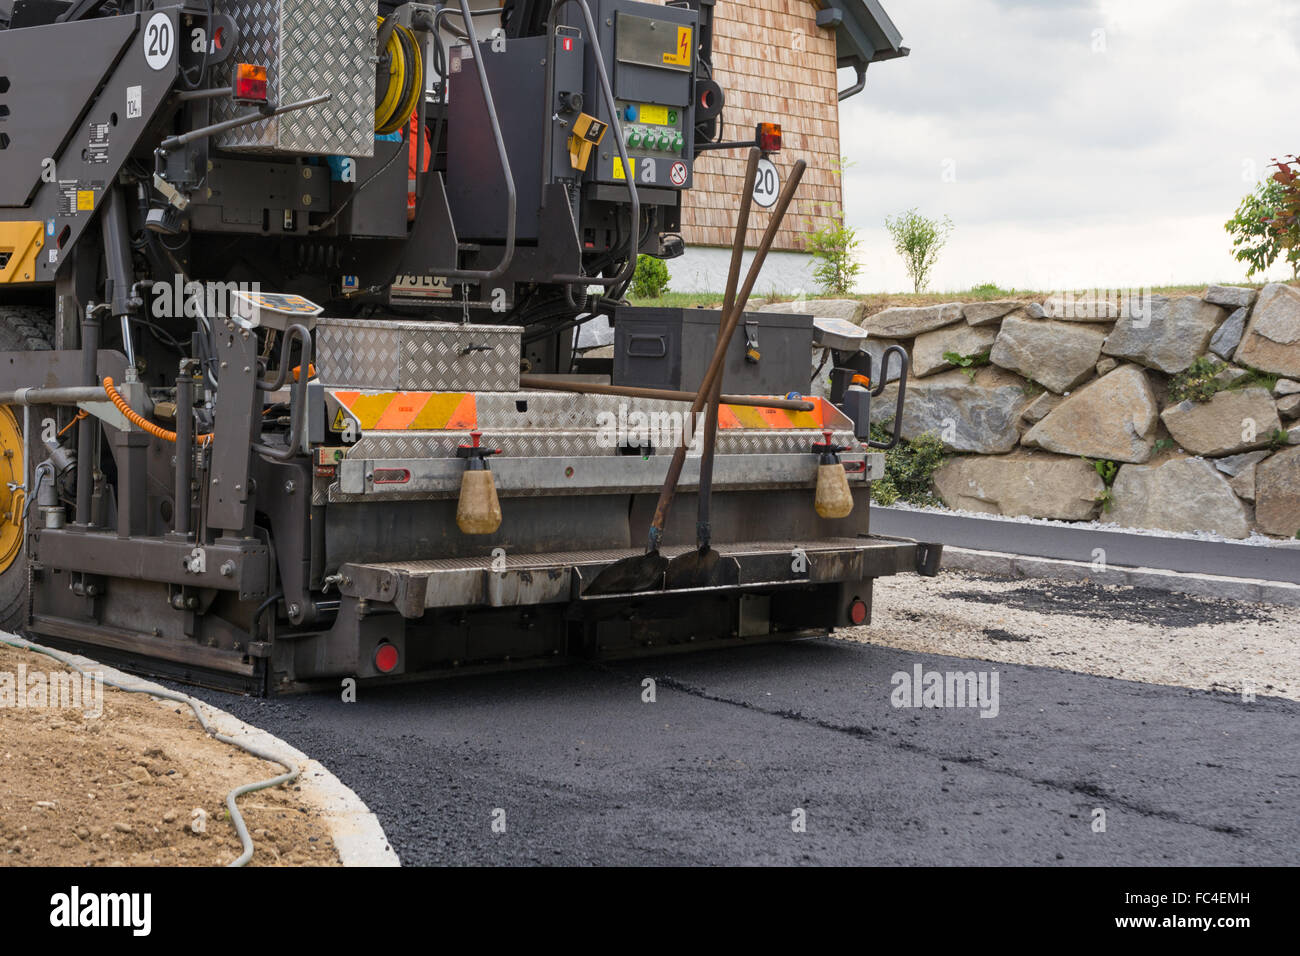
581,770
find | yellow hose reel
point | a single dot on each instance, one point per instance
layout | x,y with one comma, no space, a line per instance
399,80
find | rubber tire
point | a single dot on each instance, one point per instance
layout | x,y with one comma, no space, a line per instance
23,328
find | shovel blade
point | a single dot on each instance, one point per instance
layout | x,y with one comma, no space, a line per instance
694,569
641,572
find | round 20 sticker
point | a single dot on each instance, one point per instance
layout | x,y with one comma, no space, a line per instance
159,41
767,184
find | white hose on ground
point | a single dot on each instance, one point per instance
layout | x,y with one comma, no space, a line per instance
13,640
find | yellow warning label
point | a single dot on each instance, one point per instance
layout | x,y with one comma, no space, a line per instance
654,115
85,200
618,167
340,422
682,55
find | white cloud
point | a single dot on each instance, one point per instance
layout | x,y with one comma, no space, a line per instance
1081,158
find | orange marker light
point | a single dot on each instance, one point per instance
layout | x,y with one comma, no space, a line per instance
768,136
250,83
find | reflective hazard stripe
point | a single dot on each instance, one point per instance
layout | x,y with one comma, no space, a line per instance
410,411
752,416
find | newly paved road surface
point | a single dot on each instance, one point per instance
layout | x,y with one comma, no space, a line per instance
713,771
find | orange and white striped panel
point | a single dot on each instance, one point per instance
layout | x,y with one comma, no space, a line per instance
405,411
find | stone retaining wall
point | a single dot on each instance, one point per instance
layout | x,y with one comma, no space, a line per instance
1059,385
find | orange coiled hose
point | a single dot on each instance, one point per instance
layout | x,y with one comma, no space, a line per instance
139,421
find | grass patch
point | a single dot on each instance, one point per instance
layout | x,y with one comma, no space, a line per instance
1200,381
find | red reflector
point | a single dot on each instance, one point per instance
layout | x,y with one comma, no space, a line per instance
857,611
768,136
392,476
250,82
385,658
568,45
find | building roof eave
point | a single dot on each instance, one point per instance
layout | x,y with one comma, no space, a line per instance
864,34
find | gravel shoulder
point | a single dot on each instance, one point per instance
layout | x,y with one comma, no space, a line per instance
1132,633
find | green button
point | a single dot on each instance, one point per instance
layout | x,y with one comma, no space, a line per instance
665,140
678,141
634,136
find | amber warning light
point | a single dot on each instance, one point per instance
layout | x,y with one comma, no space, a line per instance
250,83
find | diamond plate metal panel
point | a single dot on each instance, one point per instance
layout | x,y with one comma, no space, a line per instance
308,48
417,356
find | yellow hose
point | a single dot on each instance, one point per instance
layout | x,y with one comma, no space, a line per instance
139,421
393,112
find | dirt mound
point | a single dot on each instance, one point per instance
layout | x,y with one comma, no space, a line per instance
122,788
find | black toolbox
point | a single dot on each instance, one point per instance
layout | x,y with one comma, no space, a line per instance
671,348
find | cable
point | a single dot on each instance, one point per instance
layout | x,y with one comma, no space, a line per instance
236,818
142,423
356,192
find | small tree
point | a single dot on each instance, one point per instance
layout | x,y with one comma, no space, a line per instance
834,249
1256,239
918,240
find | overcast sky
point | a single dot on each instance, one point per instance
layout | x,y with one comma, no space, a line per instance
1074,143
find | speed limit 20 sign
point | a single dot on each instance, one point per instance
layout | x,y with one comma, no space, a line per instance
767,184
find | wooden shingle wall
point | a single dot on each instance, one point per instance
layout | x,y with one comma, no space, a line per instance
775,64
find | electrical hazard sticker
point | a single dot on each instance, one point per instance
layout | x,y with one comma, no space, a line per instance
619,172
681,56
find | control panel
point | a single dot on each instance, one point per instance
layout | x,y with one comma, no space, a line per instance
650,54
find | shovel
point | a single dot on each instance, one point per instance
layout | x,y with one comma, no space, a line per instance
645,572
699,568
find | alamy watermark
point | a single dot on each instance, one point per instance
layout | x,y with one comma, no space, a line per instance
178,298
38,690
942,689
1132,305
628,428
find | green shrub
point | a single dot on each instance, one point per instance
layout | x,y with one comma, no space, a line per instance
987,291
650,281
909,469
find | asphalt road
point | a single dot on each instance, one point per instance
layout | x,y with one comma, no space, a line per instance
735,743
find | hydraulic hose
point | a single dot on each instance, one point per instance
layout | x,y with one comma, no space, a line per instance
236,818
139,421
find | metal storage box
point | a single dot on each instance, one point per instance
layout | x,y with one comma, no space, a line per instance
308,48
671,348
417,356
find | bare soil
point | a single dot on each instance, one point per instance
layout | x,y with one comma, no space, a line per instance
121,789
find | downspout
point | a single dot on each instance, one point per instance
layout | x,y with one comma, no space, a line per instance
861,67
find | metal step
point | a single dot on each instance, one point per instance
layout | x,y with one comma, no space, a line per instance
413,587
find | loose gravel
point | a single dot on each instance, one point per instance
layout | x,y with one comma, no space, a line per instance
1126,632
